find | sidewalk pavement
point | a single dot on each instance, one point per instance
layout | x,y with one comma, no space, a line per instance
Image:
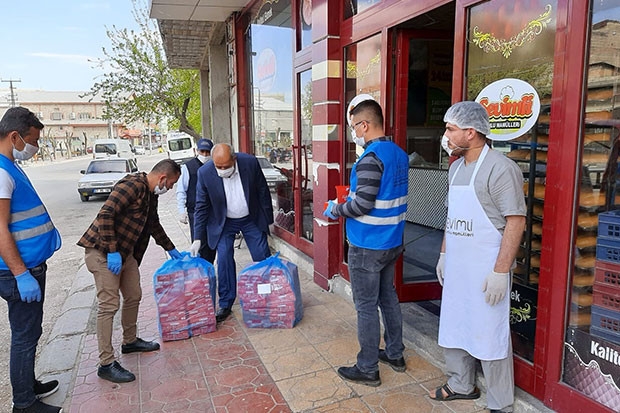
235,369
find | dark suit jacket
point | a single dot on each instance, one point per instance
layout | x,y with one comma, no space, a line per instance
210,211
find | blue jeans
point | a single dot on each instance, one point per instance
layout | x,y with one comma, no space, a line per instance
256,241
25,320
372,284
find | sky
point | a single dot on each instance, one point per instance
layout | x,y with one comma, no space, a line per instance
51,44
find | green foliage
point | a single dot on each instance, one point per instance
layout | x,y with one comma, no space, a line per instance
139,85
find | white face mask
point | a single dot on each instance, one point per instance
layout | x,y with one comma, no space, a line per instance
226,173
160,191
26,153
444,145
358,140
203,158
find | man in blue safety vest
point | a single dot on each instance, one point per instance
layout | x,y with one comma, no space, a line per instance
27,239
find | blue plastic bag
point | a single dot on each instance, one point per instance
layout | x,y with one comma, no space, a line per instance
185,294
270,294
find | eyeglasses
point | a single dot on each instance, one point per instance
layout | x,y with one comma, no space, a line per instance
355,125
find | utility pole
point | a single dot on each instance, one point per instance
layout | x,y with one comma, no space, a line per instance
11,81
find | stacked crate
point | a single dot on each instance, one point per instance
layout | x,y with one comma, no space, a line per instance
606,289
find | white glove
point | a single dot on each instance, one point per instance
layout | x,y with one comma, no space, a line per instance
495,286
183,217
194,248
440,266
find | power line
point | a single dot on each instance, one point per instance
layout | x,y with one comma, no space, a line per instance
11,81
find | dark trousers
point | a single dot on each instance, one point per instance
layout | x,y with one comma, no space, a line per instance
204,252
25,320
256,241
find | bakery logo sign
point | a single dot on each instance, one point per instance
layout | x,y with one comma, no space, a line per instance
605,352
513,107
460,227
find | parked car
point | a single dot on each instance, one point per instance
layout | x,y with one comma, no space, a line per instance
272,174
101,176
140,150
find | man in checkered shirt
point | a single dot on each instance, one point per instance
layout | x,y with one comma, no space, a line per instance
115,244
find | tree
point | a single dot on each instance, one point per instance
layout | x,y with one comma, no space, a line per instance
140,84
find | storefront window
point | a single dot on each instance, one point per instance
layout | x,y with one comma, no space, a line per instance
270,50
363,75
591,363
305,18
306,167
353,7
511,39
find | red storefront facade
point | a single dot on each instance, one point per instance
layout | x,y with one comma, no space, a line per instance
294,64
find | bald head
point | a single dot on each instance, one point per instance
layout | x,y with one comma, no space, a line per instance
223,156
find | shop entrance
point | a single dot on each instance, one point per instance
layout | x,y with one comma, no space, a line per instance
423,51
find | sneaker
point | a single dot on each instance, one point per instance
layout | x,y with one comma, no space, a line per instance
139,346
42,390
357,376
115,373
398,365
38,407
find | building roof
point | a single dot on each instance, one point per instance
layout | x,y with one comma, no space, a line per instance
23,96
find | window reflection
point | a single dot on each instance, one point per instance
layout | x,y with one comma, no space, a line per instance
594,318
271,102
306,167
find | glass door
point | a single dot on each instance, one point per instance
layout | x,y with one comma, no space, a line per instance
423,84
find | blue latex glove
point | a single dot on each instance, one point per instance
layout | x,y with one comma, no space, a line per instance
174,254
28,287
328,210
115,262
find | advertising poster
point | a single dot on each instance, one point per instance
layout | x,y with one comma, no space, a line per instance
592,366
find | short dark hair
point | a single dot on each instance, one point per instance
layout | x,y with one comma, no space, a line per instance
18,119
373,111
168,167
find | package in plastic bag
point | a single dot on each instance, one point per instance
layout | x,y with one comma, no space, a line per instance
184,294
270,294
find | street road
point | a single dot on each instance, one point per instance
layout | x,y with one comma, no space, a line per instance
56,183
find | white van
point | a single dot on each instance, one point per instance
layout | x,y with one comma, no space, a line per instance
113,148
181,147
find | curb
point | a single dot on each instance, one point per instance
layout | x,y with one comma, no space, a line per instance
60,356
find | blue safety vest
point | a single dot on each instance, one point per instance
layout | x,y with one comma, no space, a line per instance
382,228
31,226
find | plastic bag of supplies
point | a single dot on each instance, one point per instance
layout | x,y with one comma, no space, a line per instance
270,294
184,294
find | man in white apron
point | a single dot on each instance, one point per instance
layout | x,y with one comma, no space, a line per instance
486,219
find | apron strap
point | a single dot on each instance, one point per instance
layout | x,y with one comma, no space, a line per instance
483,154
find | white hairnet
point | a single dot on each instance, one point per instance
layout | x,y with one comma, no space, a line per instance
469,115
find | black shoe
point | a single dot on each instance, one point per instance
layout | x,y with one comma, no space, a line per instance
398,365
42,390
355,375
139,346
115,373
222,314
38,407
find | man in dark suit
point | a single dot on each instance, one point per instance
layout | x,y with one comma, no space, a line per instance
231,196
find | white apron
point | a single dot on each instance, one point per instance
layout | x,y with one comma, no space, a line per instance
472,245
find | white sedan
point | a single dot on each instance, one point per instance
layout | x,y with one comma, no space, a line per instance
101,176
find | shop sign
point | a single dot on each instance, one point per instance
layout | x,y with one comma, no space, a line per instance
266,69
592,366
513,107
523,311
